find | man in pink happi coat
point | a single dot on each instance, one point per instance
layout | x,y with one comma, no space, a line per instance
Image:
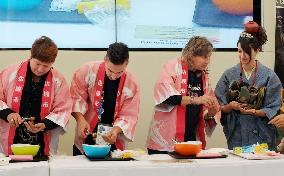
103,92
35,102
184,100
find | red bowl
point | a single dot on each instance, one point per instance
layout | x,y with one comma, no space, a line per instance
188,148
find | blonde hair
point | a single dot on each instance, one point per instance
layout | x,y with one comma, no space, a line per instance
196,46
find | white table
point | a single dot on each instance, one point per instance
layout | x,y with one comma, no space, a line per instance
231,166
25,169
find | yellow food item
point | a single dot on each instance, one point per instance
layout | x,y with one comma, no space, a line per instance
264,146
238,150
235,7
258,149
126,155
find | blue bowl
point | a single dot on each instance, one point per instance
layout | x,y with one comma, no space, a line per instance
19,4
96,151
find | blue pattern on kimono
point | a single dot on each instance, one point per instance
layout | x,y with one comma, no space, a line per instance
241,129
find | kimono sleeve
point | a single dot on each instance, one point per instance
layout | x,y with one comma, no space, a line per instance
272,100
3,104
79,90
62,104
210,124
210,92
222,89
128,115
165,87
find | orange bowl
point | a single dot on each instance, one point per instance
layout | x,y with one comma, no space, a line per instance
188,148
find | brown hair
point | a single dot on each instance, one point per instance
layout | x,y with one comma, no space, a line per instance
118,53
44,49
253,37
197,46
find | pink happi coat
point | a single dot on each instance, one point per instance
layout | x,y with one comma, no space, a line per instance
169,121
56,105
86,90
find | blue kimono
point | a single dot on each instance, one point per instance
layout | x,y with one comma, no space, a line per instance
241,129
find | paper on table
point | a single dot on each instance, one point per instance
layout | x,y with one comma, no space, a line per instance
252,156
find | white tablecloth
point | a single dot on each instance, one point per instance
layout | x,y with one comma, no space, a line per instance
231,166
25,169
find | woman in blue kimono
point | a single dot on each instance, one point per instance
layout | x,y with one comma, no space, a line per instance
245,120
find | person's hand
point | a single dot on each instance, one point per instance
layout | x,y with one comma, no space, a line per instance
111,136
214,108
205,100
34,128
278,121
243,110
233,105
94,136
83,128
14,119
236,105
280,147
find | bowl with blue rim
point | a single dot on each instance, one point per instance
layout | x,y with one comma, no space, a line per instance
96,151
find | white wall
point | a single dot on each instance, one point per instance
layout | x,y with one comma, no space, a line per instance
146,66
